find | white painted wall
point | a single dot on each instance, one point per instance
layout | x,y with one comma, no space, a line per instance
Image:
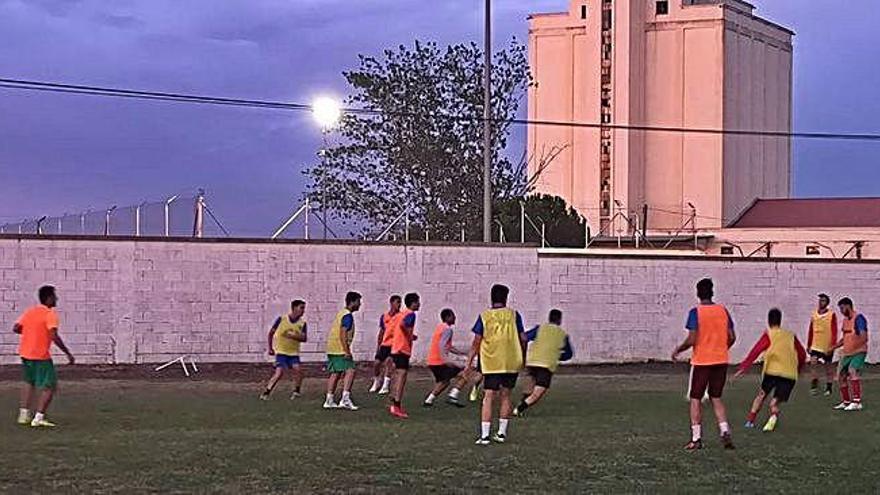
146,301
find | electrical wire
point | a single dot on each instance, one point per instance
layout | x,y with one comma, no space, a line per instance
55,87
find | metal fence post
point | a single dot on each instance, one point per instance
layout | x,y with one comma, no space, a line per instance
199,219
168,213
638,231
107,219
137,219
307,212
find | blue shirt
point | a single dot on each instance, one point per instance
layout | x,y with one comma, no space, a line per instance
410,320
478,326
692,324
278,322
348,322
567,350
861,324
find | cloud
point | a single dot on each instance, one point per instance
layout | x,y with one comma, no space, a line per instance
118,21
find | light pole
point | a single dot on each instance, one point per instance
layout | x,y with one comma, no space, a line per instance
487,126
326,112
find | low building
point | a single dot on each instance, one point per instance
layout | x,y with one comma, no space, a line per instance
843,228
804,227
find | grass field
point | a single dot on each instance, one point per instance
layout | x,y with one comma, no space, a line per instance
593,434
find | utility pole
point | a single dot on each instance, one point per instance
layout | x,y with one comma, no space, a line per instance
324,132
487,127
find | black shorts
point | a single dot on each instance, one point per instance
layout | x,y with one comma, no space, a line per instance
710,377
780,387
401,361
383,353
542,376
495,381
444,372
826,358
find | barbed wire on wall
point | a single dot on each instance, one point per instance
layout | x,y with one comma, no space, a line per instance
173,216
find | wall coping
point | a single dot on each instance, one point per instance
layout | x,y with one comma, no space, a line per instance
549,253
258,241
695,256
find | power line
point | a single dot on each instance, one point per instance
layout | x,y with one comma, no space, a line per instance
21,84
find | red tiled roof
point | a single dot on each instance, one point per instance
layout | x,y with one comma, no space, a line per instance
810,212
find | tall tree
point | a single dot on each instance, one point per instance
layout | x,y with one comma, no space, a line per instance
562,225
417,143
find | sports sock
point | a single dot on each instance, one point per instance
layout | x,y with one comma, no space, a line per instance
814,383
696,432
522,406
297,389
430,398
454,392
844,392
24,414
828,386
485,427
856,390
502,426
346,396
39,417
386,382
396,403
752,416
375,382
330,398
724,428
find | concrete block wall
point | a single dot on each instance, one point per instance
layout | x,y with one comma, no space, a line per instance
631,309
150,300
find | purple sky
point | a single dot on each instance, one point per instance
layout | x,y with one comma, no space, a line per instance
62,153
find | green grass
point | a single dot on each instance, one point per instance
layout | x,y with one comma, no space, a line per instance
618,434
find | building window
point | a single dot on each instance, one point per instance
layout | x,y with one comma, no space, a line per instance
662,7
727,250
812,250
583,11
606,19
